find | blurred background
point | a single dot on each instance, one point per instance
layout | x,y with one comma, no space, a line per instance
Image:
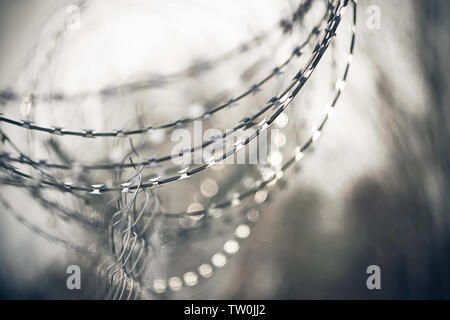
373,191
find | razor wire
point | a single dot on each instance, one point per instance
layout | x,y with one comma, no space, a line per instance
130,229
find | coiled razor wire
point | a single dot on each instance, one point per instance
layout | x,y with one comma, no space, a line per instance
279,103
137,214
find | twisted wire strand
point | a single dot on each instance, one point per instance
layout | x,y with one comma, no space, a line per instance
125,235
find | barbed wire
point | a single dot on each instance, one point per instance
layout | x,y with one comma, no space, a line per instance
92,133
281,102
242,231
129,227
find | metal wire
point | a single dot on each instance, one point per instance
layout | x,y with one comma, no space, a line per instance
280,102
130,226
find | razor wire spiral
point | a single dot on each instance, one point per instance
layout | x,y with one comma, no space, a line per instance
124,206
